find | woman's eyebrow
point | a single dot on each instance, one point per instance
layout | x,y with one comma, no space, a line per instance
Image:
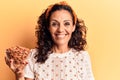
68,20
54,20
58,21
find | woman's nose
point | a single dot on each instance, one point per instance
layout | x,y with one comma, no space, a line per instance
61,28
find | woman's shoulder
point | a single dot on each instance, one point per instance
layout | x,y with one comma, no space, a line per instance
81,53
33,53
34,50
82,56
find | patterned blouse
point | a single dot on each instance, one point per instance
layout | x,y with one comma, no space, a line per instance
71,65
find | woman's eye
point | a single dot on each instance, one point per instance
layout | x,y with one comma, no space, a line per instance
53,24
67,24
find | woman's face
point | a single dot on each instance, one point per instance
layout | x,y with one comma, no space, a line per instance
61,27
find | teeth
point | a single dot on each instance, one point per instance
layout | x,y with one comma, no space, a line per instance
61,35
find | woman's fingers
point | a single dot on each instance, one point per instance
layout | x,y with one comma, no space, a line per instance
15,67
12,65
20,70
7,61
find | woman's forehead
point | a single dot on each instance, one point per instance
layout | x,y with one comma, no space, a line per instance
61,15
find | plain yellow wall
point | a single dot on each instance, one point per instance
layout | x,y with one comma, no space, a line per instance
102,17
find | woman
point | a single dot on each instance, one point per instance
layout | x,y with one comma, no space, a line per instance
60,54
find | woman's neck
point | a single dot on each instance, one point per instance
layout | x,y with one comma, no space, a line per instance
60,49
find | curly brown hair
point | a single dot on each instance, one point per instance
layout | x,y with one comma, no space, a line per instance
45,42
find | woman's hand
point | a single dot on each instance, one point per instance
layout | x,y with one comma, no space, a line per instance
16,60
18,70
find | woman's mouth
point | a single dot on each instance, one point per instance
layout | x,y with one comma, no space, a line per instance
60,35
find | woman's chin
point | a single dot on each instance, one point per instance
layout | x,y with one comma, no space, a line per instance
61,43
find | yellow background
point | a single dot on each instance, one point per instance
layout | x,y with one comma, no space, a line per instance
102,17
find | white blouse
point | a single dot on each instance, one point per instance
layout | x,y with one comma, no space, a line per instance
72,65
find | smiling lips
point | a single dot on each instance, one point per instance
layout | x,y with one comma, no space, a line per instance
60,36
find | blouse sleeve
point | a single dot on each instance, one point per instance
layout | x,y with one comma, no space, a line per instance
87,66
29,70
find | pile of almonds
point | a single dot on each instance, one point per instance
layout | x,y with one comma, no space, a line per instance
18,54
